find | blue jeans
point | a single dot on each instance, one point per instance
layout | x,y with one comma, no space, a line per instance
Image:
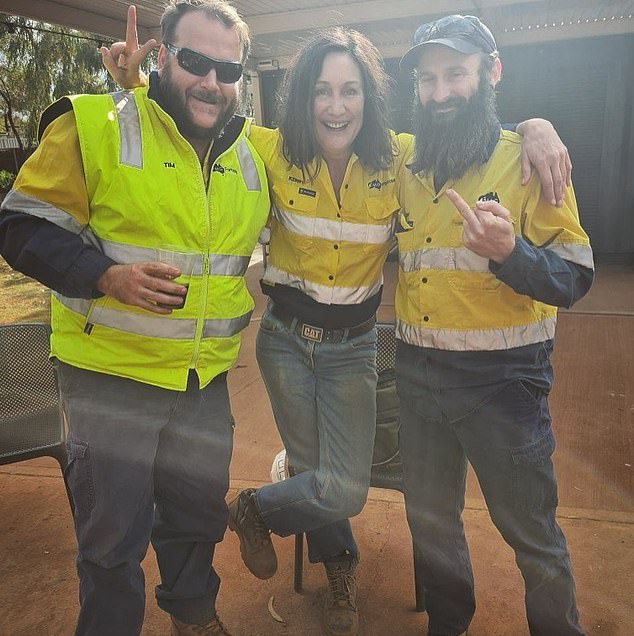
145,462
323,397
505,433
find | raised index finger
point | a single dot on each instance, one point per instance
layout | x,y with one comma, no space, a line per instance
131,34
461,205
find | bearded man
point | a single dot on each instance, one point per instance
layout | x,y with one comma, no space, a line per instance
117,181
483,265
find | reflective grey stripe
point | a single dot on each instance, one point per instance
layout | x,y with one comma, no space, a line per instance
123,253
224,328
227,265
247,166
131,153
477,339
463,259
131,322
78,305
334,230
18,202
575,253
154,326
322,293
219,264
450,258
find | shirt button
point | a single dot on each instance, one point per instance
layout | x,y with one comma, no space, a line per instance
435,200
346,186
331,277
338,215
336,247
426,318
291,202
424,279
428,239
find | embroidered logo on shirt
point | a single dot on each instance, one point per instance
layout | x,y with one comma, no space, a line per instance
222,169
295,180
375,184
169,164
489,196
307,192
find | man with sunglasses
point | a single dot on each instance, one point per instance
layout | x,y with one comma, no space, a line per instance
116,182
483,265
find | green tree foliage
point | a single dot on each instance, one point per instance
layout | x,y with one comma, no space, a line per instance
38,66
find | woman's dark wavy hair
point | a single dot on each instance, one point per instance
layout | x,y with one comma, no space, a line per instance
373,145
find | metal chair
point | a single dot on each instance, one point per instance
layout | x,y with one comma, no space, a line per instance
30,419
387,470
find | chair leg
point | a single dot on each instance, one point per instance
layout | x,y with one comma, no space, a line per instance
298,578
419,583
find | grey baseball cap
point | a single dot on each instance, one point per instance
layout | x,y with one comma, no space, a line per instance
463,33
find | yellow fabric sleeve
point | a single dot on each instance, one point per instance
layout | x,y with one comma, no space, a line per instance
54,173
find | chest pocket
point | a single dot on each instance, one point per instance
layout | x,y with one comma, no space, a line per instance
381,208
295,198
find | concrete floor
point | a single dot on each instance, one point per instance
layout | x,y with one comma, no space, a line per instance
38,589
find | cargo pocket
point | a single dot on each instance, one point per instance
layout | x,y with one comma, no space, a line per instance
78,476
534,484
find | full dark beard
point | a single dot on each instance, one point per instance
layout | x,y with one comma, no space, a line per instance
448,145
173,101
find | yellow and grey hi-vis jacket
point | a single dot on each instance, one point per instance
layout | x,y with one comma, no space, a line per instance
146,189
333,253
447,296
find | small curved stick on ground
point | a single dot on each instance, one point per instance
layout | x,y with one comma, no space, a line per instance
272,611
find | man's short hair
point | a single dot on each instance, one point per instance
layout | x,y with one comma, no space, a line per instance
218,10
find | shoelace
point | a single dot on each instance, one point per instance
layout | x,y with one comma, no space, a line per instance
216,625
260,529
341,585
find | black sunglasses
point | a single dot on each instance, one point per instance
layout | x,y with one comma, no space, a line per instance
199,64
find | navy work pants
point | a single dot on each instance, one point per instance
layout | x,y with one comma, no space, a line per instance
145,463
505,434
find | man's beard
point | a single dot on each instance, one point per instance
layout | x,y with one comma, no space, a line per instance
174,102
447,145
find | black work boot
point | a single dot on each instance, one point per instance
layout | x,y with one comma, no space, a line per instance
213,627
340,616
256,546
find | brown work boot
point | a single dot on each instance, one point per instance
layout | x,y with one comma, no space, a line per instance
256,546
340,616
214,627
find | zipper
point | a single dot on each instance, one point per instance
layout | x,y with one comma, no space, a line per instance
88,326
204,289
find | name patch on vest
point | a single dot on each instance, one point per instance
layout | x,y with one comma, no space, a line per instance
307,192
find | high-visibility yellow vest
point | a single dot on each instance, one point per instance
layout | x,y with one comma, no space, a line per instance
333,253
146,189
447,297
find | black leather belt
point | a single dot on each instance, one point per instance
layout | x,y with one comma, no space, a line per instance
321,334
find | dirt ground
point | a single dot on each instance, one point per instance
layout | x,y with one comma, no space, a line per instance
593,408
21,298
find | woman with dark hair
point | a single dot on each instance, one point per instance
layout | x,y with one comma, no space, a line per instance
332,168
